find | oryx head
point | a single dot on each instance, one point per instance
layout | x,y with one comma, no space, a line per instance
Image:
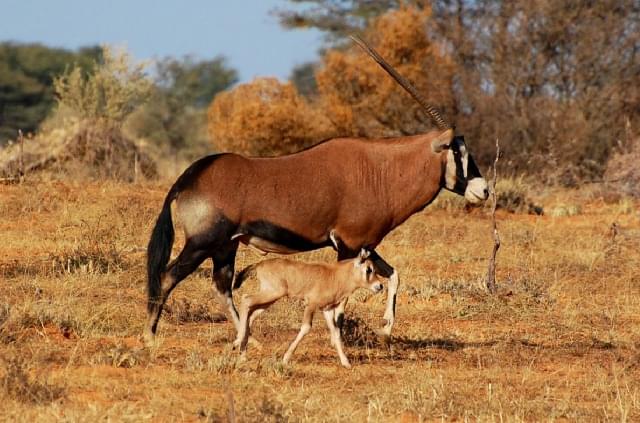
461,174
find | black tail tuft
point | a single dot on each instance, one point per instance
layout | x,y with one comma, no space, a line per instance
244,274
159,251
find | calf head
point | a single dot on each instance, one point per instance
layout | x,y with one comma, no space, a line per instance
366,272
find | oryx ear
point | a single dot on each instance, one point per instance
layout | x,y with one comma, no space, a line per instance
442,142
363,255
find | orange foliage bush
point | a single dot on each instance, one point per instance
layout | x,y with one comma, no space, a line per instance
356,97
363,100
264,117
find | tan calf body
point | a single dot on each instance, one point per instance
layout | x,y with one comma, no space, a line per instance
323,286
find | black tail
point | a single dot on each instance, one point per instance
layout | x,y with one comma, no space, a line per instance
159,248
159,251
244,274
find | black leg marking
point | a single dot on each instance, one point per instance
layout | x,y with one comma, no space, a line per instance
187,261
383,268
223,271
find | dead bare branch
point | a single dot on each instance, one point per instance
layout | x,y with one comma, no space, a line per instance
491,273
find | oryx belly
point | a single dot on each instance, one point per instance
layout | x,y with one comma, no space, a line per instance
263,246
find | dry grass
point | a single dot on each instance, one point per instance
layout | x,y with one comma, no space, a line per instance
560,341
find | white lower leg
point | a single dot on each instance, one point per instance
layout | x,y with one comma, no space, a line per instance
243,327
390,311
336,340
232,310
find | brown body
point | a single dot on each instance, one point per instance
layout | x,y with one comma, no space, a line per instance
322,286
360,189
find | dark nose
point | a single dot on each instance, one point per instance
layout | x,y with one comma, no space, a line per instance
486,193
378,287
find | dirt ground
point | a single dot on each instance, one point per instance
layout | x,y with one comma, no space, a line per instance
559,341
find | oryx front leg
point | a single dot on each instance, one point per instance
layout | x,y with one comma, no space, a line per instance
390,311
384,269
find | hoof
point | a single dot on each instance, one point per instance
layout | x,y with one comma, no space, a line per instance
236,344
384,331
346,365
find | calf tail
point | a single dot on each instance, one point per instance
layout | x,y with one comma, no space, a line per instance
159,252
241,276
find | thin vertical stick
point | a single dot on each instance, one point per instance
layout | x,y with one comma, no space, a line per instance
21,174
231,412
491,273
136,166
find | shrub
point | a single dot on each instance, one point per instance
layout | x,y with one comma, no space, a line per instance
264,117
109,93
355,97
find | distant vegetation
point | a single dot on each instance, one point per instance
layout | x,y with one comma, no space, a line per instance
26,83
557,82
106,117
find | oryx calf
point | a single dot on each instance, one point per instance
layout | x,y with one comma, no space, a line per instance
322,285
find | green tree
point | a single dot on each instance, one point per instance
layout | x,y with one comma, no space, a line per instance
26,83
176,115
339,18
108,93
303,77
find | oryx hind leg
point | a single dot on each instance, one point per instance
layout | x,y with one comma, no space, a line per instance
187,261
222,276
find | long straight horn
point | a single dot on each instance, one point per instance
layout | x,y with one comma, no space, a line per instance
404,82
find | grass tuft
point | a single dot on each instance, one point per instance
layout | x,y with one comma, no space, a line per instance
20,386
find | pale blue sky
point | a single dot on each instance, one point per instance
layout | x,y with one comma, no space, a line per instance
242,30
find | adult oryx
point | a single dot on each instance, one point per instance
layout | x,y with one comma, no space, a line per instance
348,193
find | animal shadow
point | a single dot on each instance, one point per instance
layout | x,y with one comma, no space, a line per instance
356,333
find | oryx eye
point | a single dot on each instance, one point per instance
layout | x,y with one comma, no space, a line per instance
369,271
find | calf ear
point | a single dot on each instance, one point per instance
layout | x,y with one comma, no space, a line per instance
442,141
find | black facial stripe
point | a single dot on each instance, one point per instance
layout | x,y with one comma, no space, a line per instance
461,182
382,267
472,169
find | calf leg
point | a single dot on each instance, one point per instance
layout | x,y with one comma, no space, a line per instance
306,327
344,253
250,307
336,339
